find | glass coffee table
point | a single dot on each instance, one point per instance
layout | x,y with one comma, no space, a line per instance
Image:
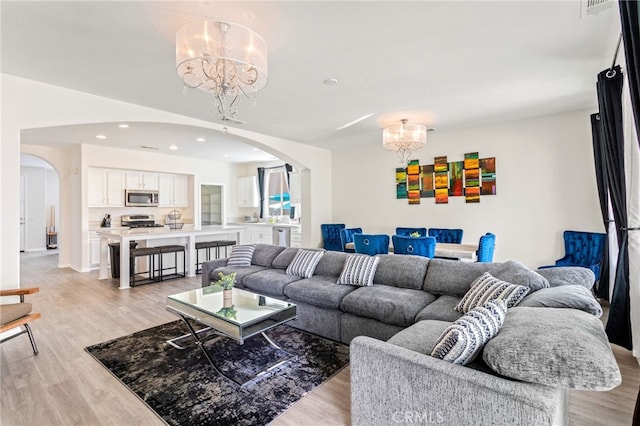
238,315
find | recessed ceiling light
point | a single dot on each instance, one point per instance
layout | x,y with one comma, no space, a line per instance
331,82
255,149
173,147
226,156
200,139
101,137
123,125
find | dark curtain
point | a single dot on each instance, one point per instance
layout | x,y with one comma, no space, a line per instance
289,169
261,189
610,103
602,290
630,23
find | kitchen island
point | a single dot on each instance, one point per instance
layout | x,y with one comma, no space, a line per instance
187,236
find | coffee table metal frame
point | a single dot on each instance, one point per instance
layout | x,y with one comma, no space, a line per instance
201,306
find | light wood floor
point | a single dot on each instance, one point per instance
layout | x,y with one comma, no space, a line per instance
63,385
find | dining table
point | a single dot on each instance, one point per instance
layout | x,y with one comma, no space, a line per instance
464,252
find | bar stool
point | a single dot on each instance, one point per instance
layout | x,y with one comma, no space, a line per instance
175,249
226,244
151,252
208,245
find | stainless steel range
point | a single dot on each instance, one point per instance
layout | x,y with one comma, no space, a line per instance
139,221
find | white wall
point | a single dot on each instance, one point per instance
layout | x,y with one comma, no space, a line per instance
545,184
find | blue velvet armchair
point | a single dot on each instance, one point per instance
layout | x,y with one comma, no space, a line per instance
584,249
444,235
331,236
486,247
346,236
406,232
371,244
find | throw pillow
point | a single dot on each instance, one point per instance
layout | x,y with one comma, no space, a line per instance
486,287
304,263
462,341
566,296
241,255
359,269
515,272
557,347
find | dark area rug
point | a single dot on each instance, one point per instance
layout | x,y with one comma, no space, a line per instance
184,389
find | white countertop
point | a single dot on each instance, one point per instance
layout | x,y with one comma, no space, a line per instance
271,225
166,231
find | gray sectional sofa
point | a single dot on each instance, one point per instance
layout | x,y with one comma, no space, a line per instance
554,342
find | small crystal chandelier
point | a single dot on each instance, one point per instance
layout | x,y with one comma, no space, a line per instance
404,139
223,59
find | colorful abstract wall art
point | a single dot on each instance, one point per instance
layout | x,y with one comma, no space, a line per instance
469,178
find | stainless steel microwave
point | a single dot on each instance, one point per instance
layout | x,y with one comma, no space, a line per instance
140,198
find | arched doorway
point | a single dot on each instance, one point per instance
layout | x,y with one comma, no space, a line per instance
39,206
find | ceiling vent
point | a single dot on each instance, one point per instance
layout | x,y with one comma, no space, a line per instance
593,7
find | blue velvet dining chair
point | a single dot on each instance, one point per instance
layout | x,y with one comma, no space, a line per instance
331,236
408,231
445,235
371,244
584,249
346,236
417,246
485,247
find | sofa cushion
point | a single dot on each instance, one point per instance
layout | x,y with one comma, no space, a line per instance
567,296
452,277
270,282
463,340
421,336
241,272
284,258
564,347
304,263
359,270
331,264
569,275
390,305
487,288
443,309
516,273
241,255
265,254
318,291
401,271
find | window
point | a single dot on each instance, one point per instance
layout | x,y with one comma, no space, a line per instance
277,198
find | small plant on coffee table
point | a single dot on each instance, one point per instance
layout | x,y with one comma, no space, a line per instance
226,281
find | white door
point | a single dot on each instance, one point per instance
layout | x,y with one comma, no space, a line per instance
22,211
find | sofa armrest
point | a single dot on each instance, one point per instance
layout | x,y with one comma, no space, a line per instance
391,384
208,268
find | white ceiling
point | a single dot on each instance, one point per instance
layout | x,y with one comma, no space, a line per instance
450,65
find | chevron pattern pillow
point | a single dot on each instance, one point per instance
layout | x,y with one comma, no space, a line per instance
359,269
462,341
241,255
487,287
304,263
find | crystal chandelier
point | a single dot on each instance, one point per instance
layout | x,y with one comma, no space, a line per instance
223,59
404,139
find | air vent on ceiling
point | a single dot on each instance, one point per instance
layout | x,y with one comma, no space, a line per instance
592,7
148,147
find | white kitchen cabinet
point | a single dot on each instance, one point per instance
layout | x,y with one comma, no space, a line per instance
248,192
105,188
94,249
296,237
173,190
141,180
260,235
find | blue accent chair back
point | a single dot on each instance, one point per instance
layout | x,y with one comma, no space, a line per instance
371,244
417,246
346,236
486,247
408,231
331,236
584,249
444,235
